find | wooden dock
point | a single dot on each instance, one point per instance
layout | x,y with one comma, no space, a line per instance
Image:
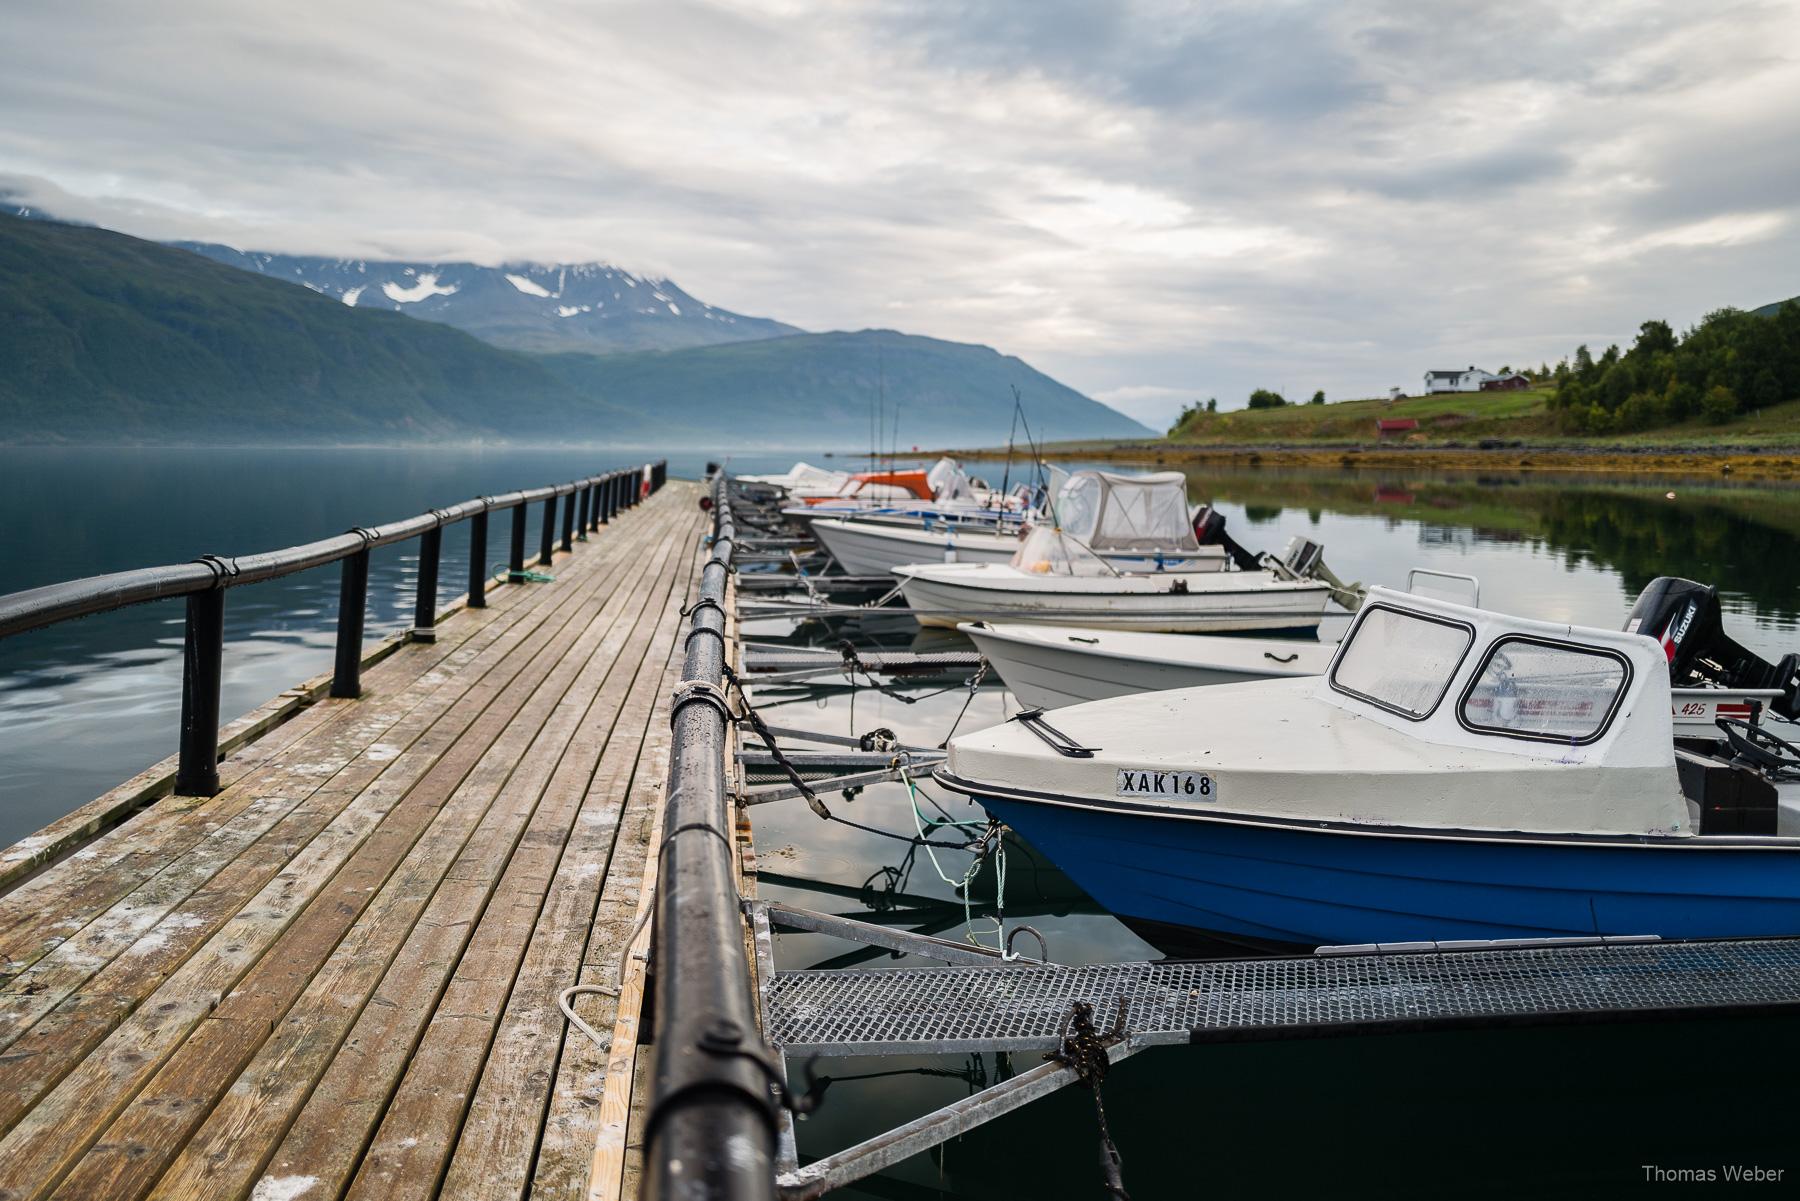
339,976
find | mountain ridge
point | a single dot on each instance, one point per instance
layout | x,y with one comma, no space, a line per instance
543,307
104,337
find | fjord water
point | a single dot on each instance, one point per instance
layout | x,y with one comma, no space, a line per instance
1562,1112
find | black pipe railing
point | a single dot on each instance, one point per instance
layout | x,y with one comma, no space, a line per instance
204,581
711,1127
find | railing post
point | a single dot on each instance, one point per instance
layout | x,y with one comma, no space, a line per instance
547,543
203,659
478,572
568,537
353,601
586,492
431,546
605,502
515,559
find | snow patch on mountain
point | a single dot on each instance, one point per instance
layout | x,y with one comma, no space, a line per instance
426,287
351,295
531,287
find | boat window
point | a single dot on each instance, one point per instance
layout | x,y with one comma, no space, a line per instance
1401,661
1555,691
1078,506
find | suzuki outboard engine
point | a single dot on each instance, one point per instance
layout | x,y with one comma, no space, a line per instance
1685,617
1209,530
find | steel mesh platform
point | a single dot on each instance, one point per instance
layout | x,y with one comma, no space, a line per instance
1006,1008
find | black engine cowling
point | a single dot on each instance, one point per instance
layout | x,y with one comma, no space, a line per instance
1685,616
1209,530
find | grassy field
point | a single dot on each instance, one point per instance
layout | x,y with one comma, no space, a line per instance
1444,417
1467,431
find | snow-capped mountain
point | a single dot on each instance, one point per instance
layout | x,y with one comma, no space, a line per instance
526,306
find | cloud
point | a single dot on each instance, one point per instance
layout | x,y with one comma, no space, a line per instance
1154,201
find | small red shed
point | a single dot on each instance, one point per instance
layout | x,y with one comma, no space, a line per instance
1389,427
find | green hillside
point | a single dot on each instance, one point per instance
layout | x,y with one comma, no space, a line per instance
820,389
1769,310
106,337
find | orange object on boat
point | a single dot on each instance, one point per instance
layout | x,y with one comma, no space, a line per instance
913,481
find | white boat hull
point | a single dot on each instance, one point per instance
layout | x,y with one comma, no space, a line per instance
868,548
1048,667
950,594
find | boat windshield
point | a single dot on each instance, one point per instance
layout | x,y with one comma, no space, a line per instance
1401,661
1551,691
1050,551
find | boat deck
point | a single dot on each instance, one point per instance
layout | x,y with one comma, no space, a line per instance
339,976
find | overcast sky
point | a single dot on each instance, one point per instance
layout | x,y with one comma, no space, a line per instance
1153,202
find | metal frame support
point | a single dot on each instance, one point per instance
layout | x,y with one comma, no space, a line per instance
547,543
515,559
353,602
203,661
431,549
478,572
921,1134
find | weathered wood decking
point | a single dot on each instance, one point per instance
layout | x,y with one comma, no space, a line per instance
338,977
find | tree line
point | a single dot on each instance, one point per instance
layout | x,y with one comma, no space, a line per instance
1732,362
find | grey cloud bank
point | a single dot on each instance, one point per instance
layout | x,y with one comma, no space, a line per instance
1152,202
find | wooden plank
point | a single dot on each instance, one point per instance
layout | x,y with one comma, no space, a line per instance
38,917
358,841
575,1120
334,970
499,1139
30,1069
422,1122
238,1137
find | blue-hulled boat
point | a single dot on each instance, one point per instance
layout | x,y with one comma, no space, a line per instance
1455,774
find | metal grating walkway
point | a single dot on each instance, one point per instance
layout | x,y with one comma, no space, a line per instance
959,1009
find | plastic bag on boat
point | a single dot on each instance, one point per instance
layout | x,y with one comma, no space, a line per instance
1048,550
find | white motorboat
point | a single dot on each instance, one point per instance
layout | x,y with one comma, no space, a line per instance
802,478
1135,523
1048,667
948,594
876,547
1051,666
1455,774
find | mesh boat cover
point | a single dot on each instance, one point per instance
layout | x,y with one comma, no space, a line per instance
1127,512
1050,551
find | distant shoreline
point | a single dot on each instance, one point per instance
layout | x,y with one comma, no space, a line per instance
1744,462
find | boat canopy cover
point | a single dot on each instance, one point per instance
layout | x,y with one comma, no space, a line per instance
1049,551
948,481
1113,512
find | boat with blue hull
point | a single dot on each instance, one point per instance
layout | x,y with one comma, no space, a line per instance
1455,774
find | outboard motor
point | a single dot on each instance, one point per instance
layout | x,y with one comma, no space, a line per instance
1209,530
1685,617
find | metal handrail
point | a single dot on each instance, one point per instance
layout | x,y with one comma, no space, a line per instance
204,581
710,1130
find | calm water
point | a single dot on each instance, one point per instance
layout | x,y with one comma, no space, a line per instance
1572,1112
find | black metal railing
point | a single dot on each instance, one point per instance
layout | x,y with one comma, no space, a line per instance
204,582
710,1131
